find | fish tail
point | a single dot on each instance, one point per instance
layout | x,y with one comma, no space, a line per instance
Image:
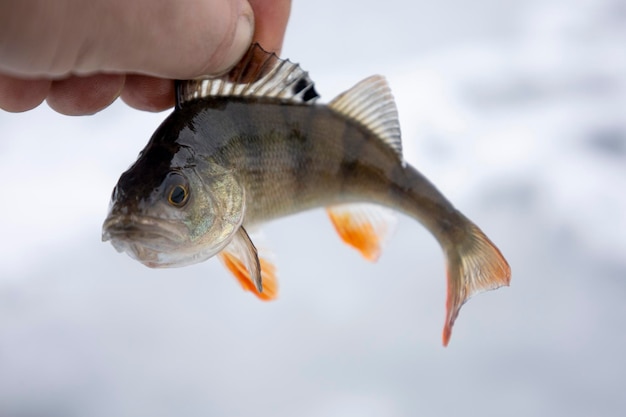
474,265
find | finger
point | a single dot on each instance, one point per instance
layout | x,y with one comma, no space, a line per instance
169,39
271,18
17,95
76,96
148,93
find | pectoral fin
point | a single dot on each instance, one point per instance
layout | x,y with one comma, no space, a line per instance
365,227
255,274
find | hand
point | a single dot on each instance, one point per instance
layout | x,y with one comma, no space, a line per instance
81,55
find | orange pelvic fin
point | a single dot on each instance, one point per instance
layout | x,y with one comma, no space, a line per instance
365,227
255,274
474,265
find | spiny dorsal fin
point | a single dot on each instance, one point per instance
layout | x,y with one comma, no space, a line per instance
371,103
258,74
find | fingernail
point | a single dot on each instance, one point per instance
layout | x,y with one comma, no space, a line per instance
242,39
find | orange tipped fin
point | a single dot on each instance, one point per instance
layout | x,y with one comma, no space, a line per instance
474,265
365,227
257,275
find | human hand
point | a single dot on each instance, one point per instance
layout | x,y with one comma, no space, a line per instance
81,55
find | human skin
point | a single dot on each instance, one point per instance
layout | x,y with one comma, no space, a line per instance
81,55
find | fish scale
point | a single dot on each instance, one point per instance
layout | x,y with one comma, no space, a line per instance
253,146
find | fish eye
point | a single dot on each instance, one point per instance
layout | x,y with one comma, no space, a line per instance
178,195
177,190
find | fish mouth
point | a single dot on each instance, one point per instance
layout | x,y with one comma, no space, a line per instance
155,242
149,232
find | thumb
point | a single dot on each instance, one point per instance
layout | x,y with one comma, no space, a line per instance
168,39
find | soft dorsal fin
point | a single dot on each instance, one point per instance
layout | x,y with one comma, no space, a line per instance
371,103
258,74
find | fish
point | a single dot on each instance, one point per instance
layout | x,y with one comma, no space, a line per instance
254,145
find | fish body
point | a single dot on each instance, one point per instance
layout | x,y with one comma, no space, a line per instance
307,157
254,146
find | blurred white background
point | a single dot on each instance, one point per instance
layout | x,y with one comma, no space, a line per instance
516,110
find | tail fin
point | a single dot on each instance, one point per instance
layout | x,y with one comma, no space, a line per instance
474,265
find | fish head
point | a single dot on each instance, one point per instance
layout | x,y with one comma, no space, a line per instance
173,214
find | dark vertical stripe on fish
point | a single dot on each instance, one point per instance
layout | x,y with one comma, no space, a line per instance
398,187
302,160
354,142
303,152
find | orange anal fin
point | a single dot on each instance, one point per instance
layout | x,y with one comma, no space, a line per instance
365,227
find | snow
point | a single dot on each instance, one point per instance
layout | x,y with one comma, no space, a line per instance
514,109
